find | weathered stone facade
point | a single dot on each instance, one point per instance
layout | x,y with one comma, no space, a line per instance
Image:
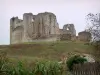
42,26
84,36
68,32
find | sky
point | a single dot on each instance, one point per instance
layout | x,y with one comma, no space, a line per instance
66,11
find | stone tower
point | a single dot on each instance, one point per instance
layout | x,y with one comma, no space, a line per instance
16,30
28,26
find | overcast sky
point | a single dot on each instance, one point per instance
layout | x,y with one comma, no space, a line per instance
67,11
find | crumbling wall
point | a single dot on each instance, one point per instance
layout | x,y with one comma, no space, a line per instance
28,25
68,32
17,35
34,27
46,25
43,26
84,36
70,29
16,30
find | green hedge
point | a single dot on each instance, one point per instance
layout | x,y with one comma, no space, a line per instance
75,60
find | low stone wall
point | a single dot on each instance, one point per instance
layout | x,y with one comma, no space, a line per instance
65,37
45,40
84,36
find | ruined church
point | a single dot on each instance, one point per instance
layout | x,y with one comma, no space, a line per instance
40,27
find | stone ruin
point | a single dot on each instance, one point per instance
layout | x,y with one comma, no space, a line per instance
40,27
84,36
68,32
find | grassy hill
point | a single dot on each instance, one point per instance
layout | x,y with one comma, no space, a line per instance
46,50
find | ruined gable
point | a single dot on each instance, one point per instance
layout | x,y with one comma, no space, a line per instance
69,29
68,32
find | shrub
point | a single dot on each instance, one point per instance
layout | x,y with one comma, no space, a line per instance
48,68
19,70
3,62
96,49
41,68
97,45
75,60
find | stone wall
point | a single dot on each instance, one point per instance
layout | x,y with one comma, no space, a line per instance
33,27
84,36
68,32
65,37
17,35
43,26
16,30
70,29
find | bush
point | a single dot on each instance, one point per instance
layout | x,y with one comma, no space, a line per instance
75,60
19,70
97,45
96,48
40,68
3,61
48,68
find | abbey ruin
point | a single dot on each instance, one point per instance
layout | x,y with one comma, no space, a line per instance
40,27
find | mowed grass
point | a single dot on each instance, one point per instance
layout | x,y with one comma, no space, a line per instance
45,50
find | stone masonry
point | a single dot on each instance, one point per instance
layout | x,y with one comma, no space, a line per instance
68,32
84,36
40,27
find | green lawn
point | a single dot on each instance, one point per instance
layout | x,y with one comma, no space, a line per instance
46,50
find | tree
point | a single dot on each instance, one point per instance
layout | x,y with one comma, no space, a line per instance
93,25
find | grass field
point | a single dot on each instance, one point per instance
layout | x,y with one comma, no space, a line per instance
30,53
45,50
